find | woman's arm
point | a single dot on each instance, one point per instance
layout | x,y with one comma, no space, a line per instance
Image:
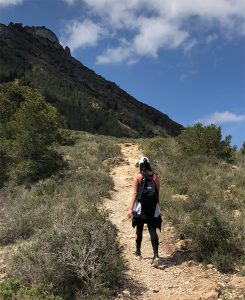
135,191
157,182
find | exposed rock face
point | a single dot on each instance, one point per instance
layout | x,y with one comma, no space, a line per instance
46,33
67,50
34,56
4,30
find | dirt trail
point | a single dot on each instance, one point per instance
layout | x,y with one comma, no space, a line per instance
178,277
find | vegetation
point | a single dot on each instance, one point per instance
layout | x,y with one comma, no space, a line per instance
202,195
86,100
71,251
243,148
69,247
206,140
29,127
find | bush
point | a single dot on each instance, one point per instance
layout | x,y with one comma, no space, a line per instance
206,140
29,127
80,254
211,211
13,290
212,238
72,249
243,149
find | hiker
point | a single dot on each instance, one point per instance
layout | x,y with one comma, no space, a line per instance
144,208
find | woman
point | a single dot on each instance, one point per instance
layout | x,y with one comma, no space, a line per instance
144,208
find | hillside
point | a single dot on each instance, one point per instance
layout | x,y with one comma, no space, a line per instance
57,240
32,56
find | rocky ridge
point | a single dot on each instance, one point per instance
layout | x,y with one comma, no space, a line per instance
34,57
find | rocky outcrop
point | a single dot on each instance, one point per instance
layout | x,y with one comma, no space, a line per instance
45,33
67,50
5,31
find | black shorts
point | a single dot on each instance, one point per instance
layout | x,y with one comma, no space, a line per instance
155,222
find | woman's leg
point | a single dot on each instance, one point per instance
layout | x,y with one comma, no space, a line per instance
154,238
139,235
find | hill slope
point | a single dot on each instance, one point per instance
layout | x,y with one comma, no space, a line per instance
34,57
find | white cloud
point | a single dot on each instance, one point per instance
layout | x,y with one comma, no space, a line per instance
115,55
156,33
10,2
222,117
151,26
82,34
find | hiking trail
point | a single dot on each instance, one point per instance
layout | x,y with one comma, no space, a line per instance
178,276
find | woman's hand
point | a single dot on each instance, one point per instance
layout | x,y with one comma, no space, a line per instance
130,213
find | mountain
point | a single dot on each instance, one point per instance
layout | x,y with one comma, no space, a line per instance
33,56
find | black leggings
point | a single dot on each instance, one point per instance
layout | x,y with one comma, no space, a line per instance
153,235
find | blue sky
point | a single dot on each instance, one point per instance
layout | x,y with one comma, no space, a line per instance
185,58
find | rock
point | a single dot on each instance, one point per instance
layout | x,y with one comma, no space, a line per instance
126,293
45,33
67,50
182,245
156,290
180,197
4,30
169,228
222,285
210,266
213,295
68,157
236,213
191,263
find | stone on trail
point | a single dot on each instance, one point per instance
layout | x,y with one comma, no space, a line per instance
126,293
210,266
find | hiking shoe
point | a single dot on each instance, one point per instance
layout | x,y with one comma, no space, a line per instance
155,261
137,253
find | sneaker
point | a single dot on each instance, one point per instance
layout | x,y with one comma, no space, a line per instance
155,261
138,253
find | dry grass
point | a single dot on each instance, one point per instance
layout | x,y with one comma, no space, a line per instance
73,251
204,198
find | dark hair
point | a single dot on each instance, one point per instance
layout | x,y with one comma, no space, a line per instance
145,166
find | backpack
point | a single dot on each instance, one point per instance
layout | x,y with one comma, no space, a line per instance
148,196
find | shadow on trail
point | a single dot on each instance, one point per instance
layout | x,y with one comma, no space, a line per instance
176,258
131,289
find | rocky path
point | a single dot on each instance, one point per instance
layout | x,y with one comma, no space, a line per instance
178,276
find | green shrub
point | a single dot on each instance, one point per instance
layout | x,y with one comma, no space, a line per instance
206,140
211,214
29,127
243,148
13,290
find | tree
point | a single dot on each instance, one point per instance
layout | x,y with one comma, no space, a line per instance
28,128
243,148
206,140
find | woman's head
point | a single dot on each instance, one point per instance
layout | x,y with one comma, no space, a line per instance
144,164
